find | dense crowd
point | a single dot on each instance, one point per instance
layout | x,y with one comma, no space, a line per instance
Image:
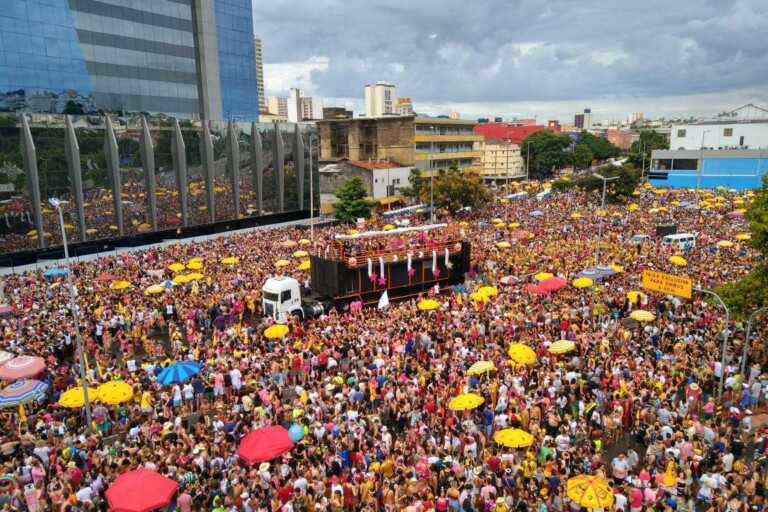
634,404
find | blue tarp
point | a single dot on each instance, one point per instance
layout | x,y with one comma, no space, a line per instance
55,272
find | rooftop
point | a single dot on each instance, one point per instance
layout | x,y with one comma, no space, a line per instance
375,165
441,120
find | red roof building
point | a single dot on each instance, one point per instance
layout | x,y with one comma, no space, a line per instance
504,131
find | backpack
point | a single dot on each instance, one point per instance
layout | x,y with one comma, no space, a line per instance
79,459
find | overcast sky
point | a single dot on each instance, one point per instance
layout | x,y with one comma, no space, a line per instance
522,57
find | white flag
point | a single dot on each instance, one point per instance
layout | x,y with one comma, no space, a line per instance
384,300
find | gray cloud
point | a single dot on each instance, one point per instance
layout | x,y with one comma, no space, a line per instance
497,52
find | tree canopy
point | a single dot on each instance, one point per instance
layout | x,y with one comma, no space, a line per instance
456,189
649,140
352,203
602,148
416,182
581,156
547,152
628,180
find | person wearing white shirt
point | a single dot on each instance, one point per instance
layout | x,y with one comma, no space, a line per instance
237,379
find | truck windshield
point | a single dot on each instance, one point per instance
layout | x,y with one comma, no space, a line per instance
272,297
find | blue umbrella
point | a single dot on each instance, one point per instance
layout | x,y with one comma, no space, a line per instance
683,204
55,272
22,392
167,283
536,213
178,372
597,273
482,224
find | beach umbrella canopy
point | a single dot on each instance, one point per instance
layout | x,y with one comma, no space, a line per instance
195,265
589,491
103,278
167,283
561,347
276,331
140,490
503,245
465,402
305,241
230,261
509,280
194,276
388,227
479,297
264,444
632,207
481,367
428,305
73,397
522,354
541,276
90,231
282,263
616,268
535,288
497,221
300,254
536,213
21,367
176,267
743,236
463,224
553,284
583,282
642,316
305,265
488,291
55,272
289,243
120,285
154,289
181,279
725,243
635,296
678,260
576,215
513,225
22,392
178,372
513,438
115,392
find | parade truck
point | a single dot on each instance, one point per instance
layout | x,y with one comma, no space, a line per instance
357,269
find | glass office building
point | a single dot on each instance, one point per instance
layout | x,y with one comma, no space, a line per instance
190,59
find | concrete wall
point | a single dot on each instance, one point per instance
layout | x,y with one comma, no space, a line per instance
388,138
714,136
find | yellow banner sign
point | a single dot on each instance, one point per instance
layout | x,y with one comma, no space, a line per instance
668,283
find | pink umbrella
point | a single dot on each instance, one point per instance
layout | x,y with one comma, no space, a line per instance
509,280
553,284
536,288
22,367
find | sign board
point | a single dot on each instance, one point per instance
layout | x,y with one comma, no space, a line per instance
668,283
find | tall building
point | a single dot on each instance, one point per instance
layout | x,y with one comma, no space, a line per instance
380,99
277,106
501,159
304,108
454,115
583,121
440,143
259,72
404,106
365,138
186,58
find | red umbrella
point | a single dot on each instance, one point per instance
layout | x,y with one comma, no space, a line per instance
553,284
536,288
105,278
264,444
141,490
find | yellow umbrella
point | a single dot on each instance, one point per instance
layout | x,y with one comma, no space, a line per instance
69,226
176,267
47,211
194,265
90,231
120,285
145,226
32,233
115,392
196,259
522,354
634,296
497,221
465,402
616,268
73,397
181,278
154,289
481,367
194,276
463,223
513,438
428,305
353,232
642,316
561,347
744,236
678,260
503,245
725,243
231,260
113,228
282,263
513,225
488,291
633,207
388,227
589,491
541,276
300,254
576,215
479,297
276,331
616,215
583,282
304,241
305,265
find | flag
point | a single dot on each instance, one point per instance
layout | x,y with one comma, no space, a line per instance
384,300
459,300
670,475
22,415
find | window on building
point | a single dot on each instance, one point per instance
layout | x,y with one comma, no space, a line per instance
681,133
727,132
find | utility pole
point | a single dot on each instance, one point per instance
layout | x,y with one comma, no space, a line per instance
602,212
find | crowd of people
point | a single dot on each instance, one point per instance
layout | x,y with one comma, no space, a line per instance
634,404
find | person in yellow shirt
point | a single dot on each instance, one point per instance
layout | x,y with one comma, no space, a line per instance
147,401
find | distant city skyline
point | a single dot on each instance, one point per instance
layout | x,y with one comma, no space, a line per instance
523,59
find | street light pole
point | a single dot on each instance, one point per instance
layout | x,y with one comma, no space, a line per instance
527,159
602,211
748,337
57,204
725,338
311,193
432,175
701,162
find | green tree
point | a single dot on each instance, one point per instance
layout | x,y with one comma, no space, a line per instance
628,180
454,189
649,140
416,183
751,291
352,203
581,156
547,152
602,148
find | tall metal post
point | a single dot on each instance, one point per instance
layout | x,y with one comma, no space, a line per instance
56,203
311,192
602,211
701,161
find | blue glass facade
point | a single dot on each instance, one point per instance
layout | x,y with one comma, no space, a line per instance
82,56
234,37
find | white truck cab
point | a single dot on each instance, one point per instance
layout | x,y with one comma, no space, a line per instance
282,298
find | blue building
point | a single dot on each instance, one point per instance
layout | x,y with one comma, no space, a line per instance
709,168
186,58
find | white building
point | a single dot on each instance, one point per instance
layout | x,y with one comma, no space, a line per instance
454,115
259,73
501,160
303,108
743,128
380,99
277,106
404,106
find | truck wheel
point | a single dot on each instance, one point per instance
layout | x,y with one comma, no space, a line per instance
298,315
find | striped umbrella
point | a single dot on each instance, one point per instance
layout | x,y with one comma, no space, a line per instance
178,372
22,367
22,392
5,357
